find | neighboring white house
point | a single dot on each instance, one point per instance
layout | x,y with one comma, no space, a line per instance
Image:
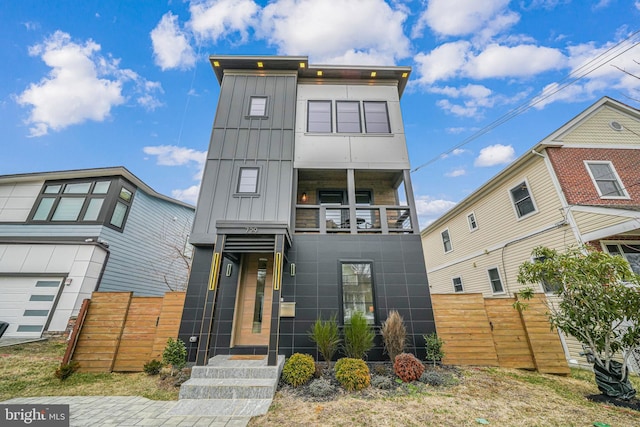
66,234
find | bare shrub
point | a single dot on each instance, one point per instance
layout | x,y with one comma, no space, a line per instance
394,334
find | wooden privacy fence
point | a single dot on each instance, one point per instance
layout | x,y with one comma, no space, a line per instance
116,331
490,332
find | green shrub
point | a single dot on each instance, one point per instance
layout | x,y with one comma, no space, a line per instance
298,369
66,369
433,345
321,387
435,378
358,336
407,367
352,374
382,382
152,367
394,334
325,335
175,355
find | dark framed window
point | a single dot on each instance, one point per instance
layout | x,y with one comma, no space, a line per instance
522,200
496,282
376,117
121,209
457,284
547,286
248,180
348,117
446,241
357,290
258,106
606,179
473,224
319,117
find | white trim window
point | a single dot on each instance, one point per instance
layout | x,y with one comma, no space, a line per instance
473,223
548,288
628,250
248,180
606,179
258,106
446,241
522,200
457,284
495,280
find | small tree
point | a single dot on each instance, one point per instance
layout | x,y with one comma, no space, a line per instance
433,346
175,355
598,305
327,338
358,336
394,334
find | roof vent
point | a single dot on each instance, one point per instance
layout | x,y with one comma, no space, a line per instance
616,126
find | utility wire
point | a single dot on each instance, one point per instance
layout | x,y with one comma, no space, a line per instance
577,74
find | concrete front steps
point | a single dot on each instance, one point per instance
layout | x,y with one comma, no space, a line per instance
230,385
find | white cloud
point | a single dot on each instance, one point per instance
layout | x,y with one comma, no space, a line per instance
518,61
637,4
73,92
456,172
189,195
363,32
493,155
171,48
463,17
215,19
429,208
459,151
442,63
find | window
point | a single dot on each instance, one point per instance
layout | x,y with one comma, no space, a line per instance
122,208
376,118
496,283
446,241
522,200
258,106
348,116
248,180
457,284
629,251
319,116
357,290
606,180
473,224
547,286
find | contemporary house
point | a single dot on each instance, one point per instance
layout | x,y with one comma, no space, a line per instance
306,210
66,234
579,185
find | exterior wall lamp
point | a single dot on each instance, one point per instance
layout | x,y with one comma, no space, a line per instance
304,198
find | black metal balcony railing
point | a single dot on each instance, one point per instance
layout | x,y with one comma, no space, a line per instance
337,219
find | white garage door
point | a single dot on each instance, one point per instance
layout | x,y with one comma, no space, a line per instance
26,304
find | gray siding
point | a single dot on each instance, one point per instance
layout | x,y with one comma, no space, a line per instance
238,140
146,253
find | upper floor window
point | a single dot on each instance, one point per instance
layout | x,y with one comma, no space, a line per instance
471,219
348,116
606,179
248,180
83,201
319,116
547,286
446,241
457,284
258,106
376,118
522,200
629,251
496,282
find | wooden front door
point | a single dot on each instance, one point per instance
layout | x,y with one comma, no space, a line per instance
253,304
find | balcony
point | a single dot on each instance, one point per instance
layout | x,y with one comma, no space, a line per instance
373,219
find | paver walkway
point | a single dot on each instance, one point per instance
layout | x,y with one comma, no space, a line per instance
93,411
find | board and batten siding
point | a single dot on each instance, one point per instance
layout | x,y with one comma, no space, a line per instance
147,251
595,130
350,150
239,140
17,199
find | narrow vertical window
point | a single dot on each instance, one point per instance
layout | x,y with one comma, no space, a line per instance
348,116
258,106
522,200
259,300
606,180
357,291
376,117
496,283
319,116
473,224
446,241
248,180
457,284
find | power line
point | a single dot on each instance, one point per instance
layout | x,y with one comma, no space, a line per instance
577,74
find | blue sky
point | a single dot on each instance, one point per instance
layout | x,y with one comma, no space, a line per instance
92,83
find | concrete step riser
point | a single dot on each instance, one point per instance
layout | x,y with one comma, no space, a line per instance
225,392
211,372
